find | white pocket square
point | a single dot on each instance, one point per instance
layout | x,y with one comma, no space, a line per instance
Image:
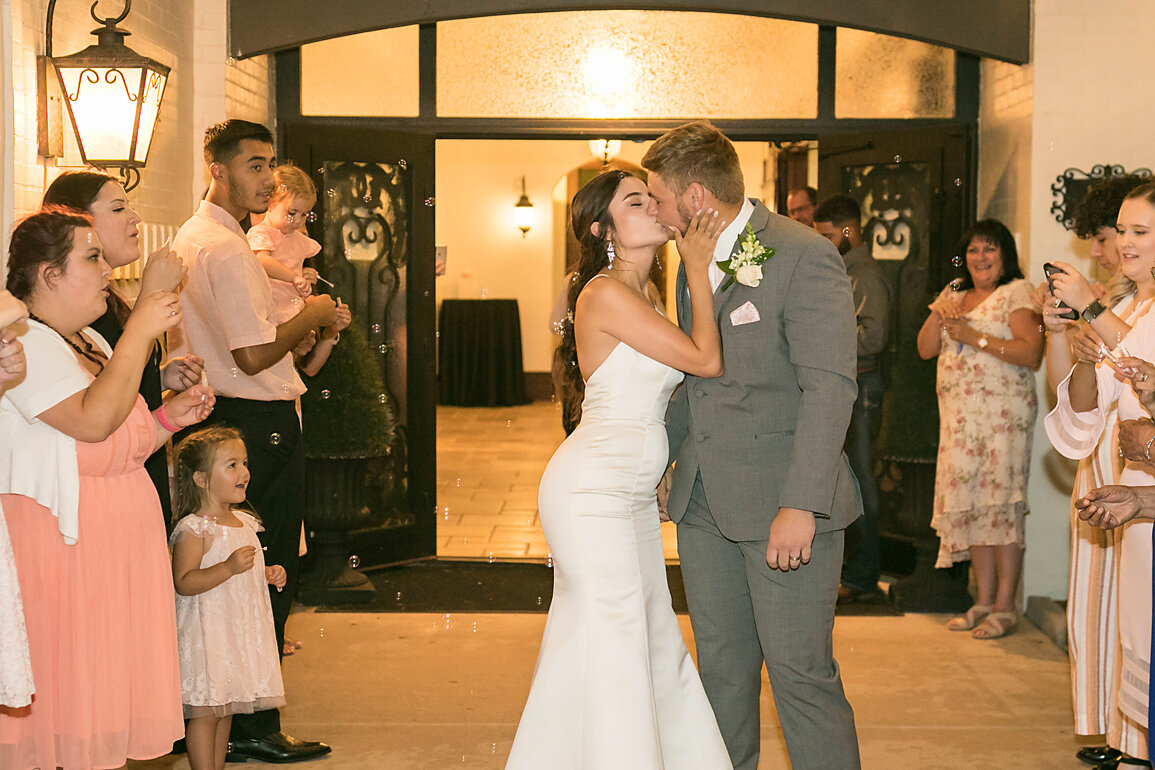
747,314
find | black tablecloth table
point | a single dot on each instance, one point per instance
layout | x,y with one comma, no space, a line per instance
479,353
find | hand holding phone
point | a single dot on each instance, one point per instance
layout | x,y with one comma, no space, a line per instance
1050,271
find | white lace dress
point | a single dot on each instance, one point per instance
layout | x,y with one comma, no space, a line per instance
15,669
228,648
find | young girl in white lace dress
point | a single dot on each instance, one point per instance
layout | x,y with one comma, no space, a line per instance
228,648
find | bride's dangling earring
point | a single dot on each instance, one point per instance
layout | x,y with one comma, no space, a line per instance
610,252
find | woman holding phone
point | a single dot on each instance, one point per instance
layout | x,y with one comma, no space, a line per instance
1110,366
1092,597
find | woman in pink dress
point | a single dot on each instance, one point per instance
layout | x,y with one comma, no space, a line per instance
83,516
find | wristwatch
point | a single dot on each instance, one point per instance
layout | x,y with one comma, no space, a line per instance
1093,311
983,342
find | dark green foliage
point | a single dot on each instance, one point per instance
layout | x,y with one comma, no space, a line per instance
345,412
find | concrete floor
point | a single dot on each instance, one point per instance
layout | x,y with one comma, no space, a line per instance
435,691
426,691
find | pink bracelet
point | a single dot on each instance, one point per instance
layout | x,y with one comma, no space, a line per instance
162,418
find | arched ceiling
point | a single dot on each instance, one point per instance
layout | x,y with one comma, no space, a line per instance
999,29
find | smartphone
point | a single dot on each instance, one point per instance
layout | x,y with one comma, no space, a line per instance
1050,271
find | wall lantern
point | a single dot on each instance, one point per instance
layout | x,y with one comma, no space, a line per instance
523,211
112,94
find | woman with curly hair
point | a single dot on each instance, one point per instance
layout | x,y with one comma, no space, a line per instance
1096,591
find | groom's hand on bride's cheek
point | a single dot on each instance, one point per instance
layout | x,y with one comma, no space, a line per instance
791,535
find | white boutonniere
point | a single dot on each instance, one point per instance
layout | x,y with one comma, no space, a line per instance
745,267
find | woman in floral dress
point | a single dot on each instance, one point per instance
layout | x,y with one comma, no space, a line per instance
989,340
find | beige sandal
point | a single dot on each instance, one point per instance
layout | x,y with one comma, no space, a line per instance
971,619
996,625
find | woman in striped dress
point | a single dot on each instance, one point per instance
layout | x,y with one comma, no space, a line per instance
1093,599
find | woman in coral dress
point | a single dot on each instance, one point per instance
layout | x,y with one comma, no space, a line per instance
84,518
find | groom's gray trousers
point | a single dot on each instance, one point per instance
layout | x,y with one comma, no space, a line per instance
742,613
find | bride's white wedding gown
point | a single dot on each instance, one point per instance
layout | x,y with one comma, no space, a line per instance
614,686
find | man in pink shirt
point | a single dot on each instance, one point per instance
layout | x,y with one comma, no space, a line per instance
228,321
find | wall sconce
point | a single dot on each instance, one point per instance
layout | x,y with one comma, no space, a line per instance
523,211
113,97
605,150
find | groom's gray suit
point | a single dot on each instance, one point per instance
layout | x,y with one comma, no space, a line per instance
767,434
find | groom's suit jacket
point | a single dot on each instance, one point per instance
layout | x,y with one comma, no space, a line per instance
769,432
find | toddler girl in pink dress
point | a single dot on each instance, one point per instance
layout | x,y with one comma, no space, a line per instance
280,245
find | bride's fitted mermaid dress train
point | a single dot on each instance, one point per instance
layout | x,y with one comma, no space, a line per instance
614,686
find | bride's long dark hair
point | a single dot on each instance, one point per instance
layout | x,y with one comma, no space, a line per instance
591,204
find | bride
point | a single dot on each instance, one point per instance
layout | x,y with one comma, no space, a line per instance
614,686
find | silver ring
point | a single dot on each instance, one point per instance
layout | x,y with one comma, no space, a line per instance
795,558
1143,377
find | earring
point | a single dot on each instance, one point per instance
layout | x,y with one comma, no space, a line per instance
610,255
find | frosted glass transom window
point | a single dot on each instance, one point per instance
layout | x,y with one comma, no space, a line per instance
627,64
371,74
879,76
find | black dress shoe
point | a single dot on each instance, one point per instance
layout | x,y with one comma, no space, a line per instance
1122,763
849,595
276,748
1097,755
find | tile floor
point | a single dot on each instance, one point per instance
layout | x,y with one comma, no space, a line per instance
434,692
489,462
438,691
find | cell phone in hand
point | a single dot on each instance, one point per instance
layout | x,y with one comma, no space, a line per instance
1050,271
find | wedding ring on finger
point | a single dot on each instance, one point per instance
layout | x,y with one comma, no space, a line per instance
795,558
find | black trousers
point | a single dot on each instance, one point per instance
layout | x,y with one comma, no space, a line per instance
272,434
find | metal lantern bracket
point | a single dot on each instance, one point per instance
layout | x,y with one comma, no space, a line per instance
109,66
1072,186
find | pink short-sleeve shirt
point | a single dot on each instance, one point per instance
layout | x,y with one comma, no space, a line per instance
227,305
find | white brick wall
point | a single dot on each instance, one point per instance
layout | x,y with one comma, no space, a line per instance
249,90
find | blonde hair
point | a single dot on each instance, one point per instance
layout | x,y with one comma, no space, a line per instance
291,180
195,454
697,152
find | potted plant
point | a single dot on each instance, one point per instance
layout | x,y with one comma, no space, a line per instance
348,429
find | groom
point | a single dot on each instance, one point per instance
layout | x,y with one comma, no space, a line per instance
761,491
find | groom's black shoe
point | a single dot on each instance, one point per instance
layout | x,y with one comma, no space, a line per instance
276,748
849,594
1097,755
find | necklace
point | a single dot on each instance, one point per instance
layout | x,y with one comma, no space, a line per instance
88,352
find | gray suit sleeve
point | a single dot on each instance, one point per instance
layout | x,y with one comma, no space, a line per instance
820,328
677,422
